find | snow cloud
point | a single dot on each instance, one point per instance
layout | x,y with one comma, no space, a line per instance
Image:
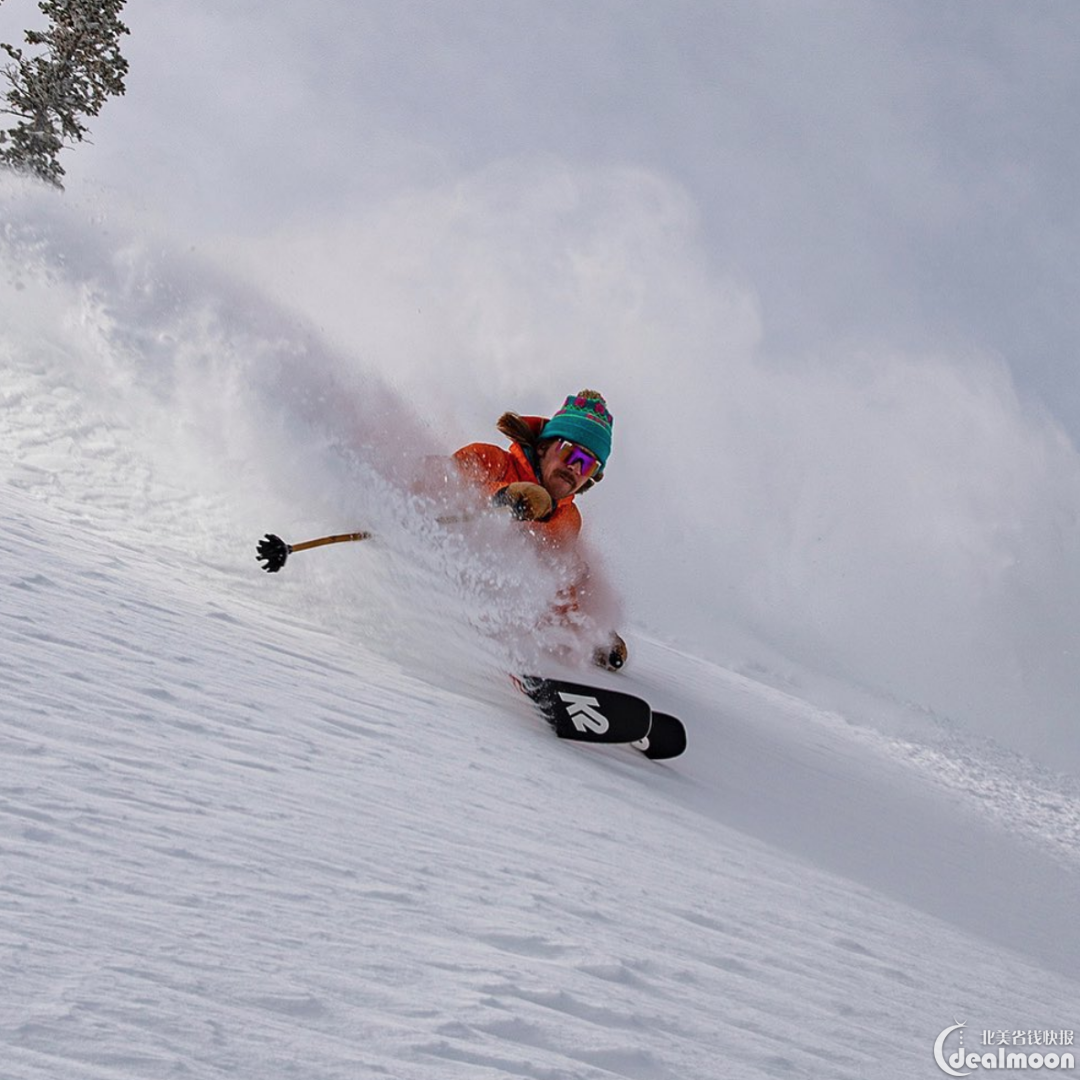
898,519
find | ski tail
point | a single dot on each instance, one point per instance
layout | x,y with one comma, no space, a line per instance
587,713
598,715
666,738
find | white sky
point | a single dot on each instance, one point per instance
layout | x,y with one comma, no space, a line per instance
902,173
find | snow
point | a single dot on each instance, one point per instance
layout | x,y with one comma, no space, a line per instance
301,826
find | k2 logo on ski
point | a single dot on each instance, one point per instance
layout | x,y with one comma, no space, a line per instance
585,712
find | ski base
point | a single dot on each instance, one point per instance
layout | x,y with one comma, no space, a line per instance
588,713
598,715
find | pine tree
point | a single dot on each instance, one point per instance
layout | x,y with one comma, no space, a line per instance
53,91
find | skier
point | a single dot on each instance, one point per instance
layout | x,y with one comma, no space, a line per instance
548,463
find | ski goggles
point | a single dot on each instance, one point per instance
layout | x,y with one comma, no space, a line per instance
570,454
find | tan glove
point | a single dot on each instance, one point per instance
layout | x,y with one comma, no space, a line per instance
611,656
527,502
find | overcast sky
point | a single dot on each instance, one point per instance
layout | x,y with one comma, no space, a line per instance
902,172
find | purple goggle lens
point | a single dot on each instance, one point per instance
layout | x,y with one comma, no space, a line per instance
571,454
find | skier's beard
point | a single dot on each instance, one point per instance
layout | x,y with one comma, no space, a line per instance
563,482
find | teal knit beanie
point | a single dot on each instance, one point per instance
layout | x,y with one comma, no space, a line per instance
584,419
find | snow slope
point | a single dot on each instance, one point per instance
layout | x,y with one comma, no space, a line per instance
300,826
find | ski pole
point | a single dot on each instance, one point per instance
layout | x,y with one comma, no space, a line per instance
274,551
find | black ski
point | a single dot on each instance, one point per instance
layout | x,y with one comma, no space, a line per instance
588,713
666,738
596,714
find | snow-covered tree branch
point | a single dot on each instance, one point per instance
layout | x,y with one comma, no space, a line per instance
53,91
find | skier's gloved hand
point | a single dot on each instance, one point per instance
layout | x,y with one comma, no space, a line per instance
527,502
611,656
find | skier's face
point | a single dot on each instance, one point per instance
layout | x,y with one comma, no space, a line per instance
559,476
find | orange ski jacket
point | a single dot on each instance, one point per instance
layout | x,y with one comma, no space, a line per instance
491,468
